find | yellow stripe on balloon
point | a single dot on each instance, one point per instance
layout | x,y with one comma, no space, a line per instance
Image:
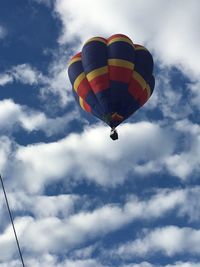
148,91
140,48
139,79
81,102
121,63
76,59
120,39
96,39
97,72
78,81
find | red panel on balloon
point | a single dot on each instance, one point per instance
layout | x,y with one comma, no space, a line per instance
99,83
120,74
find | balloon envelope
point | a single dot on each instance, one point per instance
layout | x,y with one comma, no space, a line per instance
112,78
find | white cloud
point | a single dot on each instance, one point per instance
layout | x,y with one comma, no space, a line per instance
5,148
41,206
171,35
23,73
184,264
59,235
191,207
181,166
186,202
168,97
52,261
195,93
107,163
82,263
13,263
13,115
186,162
85,252
141,264
26,74
5,79
188,127
169,240
56,82
176,264
49,234
7,241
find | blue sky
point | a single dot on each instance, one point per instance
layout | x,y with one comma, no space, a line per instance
78,198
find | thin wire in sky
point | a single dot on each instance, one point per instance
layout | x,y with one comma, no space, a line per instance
11,219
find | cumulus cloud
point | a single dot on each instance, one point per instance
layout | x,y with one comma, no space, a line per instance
7,242
107,163
23,73
13,115
84,252
184,264
5,148
141,264
56,82
41,206
186,162
81,20
191,207
195,94
53,261
26,74
168,97
169,240
5,79
176,264
62,233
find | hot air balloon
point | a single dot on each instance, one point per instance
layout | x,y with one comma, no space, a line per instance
112,78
